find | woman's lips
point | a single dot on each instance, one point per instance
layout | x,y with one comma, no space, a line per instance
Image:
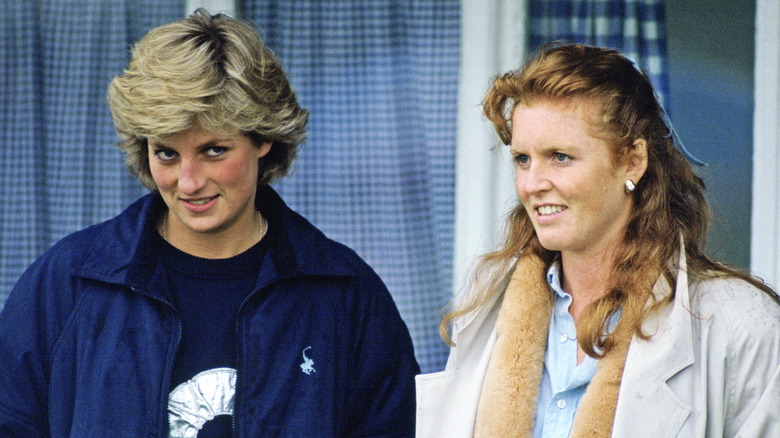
199,205
546,210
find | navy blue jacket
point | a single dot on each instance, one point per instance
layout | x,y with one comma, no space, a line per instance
88,338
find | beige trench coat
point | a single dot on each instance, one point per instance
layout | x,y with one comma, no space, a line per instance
711,368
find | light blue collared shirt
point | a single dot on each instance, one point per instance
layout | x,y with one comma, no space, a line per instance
563,381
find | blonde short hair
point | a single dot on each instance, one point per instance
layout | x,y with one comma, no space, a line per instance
212,71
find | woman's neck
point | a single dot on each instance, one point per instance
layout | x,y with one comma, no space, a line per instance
221,244
585,279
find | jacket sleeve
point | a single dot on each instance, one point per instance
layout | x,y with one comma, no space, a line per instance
764,419
739,339
29,325
753,368
384,367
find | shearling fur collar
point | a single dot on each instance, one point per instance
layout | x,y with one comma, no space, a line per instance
507,405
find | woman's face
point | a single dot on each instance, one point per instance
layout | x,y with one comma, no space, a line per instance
208,181
566,179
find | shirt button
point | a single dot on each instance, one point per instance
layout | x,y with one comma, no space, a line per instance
561,403
564,338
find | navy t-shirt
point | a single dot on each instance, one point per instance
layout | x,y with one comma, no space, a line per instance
207,294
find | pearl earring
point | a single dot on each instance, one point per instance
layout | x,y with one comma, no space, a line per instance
630,186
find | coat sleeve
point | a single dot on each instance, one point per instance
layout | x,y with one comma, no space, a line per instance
764,419
740,338
384,367
753,369
29,326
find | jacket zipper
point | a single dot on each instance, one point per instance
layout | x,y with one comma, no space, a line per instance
239,345
239,356
168,360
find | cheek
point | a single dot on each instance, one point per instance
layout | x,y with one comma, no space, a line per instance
519,184
239,172
161,176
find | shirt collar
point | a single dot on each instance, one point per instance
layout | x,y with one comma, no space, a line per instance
554,278
562,299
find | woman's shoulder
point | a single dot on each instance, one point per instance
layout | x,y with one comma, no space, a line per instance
70,249
736,306
738,328
104,241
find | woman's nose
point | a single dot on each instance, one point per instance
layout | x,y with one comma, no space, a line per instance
533,180
191,178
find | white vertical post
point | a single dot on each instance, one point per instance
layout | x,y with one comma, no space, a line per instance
492,42
213,6
765,219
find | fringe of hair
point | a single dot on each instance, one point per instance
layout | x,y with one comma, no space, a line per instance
210,71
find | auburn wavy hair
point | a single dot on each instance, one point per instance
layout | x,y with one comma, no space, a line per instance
668,202
212,71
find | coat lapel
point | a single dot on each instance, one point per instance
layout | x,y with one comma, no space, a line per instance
447,400
507,402
646,403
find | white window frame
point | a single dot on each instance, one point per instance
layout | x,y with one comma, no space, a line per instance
492,42
765,219
212,6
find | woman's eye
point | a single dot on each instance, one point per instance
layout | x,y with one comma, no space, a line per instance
561,157
522,159
165,155
215,151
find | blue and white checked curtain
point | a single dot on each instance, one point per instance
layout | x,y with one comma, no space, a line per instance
60,170
379,77
635,27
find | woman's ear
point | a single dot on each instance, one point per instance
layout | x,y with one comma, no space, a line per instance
264,149
636,160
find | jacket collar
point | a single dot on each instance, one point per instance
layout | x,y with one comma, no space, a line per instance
466,329
651,363
121,251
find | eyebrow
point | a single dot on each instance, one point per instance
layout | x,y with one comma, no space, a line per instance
546,148
208,144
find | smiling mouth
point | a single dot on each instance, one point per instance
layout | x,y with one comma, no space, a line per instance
202,201
546,210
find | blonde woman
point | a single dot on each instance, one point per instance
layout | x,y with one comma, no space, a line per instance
601,315
208,307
